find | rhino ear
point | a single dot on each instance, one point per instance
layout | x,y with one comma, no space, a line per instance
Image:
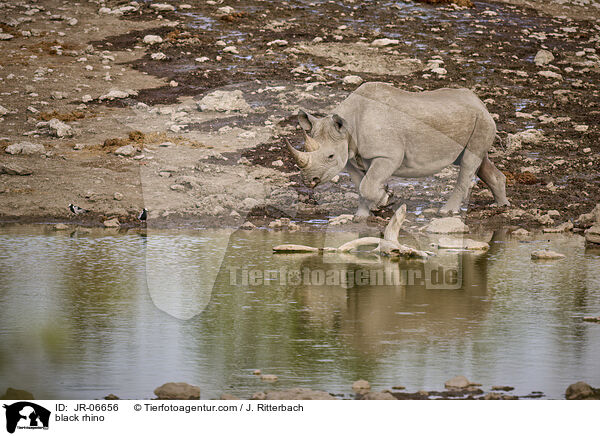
339,123
306,120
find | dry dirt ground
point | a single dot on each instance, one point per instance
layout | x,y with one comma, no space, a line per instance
61,60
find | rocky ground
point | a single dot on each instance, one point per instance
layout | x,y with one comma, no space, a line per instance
181,107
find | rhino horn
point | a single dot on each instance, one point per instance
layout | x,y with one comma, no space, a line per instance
302,158
309,143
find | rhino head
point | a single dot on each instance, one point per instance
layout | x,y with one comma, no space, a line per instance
326,144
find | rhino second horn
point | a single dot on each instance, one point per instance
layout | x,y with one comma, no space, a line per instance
302,158
310,144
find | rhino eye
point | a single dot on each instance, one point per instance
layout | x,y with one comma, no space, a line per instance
331,156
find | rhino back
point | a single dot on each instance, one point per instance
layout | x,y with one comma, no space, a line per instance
451,112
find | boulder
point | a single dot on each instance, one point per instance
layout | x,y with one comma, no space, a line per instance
447,225
592,235
378,396
543,57
579,391
224,101
177,391
361,386
546,255
25,148
458,382
298,394
113,222
589,219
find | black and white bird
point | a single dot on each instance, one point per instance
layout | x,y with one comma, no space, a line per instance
143,215
76,209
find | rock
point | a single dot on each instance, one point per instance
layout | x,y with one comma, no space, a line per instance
543,57
115,93
3,111
458,382
60,226
112,223
342,219
259,396
231,49
202,59
550,75
592,235
352,80
14,170
521,232
378,396
277,163
270,378
361,386
126,150
298,394
589,219
226,10
250,203
177,391
447,225
531,136
152,39
384,42
278,42
439,71
5,36
546,255
564,227
579,391
118,196
224,101
16,394
111,397
229,397
59,129
462,244
158,56
257,372
162,7
591,318
502,388
25,148
247,226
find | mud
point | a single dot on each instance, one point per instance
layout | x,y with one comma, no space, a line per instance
217,161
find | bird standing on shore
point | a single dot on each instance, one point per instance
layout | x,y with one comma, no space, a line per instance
77,210
143,216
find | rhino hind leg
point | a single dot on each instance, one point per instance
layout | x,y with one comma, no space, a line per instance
495,180
469,165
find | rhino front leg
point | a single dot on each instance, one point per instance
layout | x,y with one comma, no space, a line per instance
469,165
357,176
372,188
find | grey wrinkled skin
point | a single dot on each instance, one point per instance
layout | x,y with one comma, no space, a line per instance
380,131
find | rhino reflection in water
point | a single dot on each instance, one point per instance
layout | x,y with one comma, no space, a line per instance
380,131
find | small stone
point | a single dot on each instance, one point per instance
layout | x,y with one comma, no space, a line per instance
521,232
270,378
352,80
231,49
257,372
111,397
462,244
277,163
60,226
14,170
296,394
278,42
546,255
5,36
543,57
384,42
224,101
247,226
118,196
162,7
502,388
158,56
111,223
592,235
152,39
551,75
177,391
25,148
126,150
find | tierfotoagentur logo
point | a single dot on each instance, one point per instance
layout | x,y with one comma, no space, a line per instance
25,415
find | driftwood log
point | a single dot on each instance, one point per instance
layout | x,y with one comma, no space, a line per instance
386,246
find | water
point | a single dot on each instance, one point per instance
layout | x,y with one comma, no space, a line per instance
84,315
